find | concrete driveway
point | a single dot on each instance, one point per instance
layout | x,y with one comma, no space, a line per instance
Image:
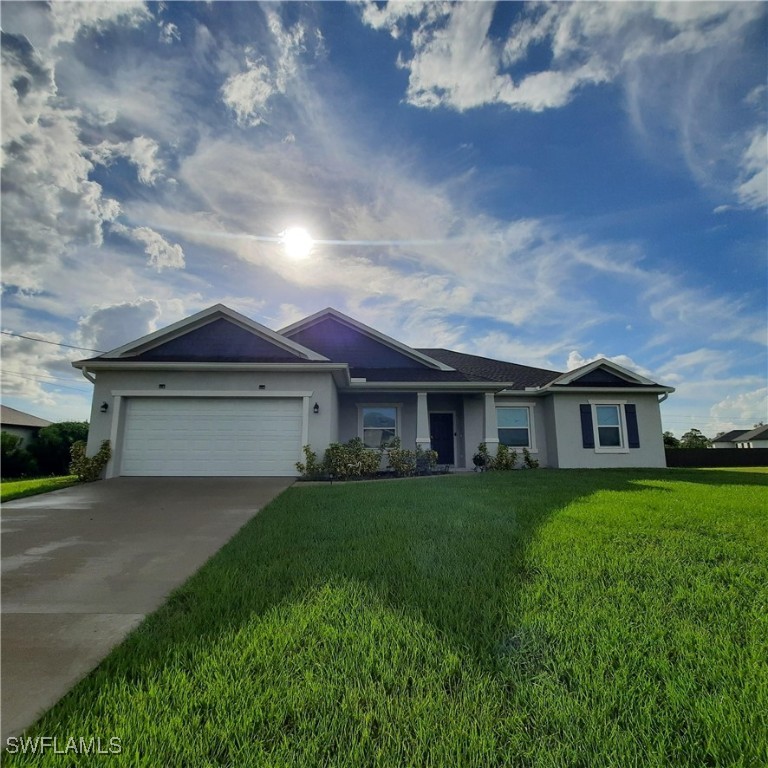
81,567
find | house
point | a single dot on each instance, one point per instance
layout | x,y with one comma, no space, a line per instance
23,425
743,438
727,439
220,394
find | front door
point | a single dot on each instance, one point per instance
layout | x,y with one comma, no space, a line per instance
441,434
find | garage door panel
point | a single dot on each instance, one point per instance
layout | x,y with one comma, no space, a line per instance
211,436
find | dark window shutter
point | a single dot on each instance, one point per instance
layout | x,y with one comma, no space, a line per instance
633,435
587,435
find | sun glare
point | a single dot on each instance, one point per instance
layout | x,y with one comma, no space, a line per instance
297,242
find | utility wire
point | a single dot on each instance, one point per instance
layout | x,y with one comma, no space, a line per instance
45,341
49,383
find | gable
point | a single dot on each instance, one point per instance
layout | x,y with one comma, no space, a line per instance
341,343
219,341
601,377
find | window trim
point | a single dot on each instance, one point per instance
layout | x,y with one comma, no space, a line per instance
360,413
532,447
623,434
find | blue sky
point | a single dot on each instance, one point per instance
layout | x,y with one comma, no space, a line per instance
543,183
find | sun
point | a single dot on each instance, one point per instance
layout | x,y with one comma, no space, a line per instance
297,243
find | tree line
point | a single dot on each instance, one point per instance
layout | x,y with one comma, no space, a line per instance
47,453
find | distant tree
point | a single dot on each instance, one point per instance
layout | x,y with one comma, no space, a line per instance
51,446
759,424
693,438
670,441
16,461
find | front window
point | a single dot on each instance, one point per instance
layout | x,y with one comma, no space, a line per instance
379,425
608,426
514,426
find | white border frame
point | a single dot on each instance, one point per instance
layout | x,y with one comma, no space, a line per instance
398,418
620,404
533,447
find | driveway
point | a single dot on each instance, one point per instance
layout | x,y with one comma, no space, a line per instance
81,567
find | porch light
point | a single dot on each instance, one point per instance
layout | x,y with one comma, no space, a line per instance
104,407
316,409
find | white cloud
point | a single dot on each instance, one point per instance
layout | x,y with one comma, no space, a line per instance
248,93
752,189
109,327
741,411
139,151
162,254
70,18
168,32
49,203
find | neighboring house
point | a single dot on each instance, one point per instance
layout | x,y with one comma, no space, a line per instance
743,438
728,440
219,394
21,424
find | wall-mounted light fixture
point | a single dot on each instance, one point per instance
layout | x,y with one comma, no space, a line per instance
316,409
104,407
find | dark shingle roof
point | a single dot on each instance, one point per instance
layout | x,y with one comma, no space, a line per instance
729,436
759,433
408,374
478,368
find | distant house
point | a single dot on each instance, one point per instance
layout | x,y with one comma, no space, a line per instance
742,438
23,425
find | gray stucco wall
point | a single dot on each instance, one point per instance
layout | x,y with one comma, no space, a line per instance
570,452
321,426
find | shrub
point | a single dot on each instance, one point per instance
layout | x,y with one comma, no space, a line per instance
312,469
351,460
482,459
426,461
16,461
528,461
401,460
504,459
51,446
87,468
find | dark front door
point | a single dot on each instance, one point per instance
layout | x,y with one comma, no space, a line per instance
441,433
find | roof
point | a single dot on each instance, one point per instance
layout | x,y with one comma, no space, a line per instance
14,418
759,433
729,437
477,368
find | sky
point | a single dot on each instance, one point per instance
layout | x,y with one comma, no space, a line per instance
543,183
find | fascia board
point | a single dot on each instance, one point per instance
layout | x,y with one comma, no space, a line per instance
652,389
121,364
568,377
423,386
308,322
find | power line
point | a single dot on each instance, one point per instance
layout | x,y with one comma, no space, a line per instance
39,375
50,383
45,341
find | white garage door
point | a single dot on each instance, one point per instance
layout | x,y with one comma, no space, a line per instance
211,436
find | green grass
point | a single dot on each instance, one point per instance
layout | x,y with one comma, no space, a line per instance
18,489
551,618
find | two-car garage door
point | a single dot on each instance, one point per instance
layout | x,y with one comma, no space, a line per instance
221,436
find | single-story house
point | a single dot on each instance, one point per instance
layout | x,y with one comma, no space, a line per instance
220,394
727,439
23,425
743,438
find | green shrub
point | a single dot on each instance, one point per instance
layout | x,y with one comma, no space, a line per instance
401,460
528,461
482,459
504,459
88,468
16,461
426,461
312,469
52,444
351,460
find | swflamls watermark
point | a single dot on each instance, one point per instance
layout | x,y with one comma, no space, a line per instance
73,745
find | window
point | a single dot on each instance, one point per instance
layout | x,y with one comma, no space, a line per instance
514,424
608,426
379,425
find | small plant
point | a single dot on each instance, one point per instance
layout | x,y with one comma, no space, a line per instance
352,460
528,461
482,459
312,469
401,460
504,459
88,468
426,461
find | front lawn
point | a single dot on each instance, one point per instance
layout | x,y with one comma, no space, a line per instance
550,618
18,489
